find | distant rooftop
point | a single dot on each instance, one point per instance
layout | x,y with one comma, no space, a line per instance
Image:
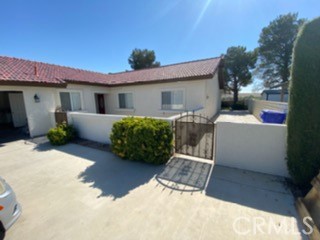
274,91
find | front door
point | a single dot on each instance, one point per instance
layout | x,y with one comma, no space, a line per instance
18,111
101,105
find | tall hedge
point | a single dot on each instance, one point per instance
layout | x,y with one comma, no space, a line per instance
142,139
303,141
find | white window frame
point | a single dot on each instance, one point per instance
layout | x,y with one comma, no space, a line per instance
125,92
72,91
172,90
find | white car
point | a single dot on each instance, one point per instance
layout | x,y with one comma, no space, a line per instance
10,209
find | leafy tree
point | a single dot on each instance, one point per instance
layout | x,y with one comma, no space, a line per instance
142,58
238,63
275,49
303,139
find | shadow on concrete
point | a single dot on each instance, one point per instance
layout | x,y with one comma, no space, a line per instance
116,177
184,175
11,134
255,190
235,112
41,144
113,176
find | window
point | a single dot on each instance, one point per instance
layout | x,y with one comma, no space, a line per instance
172,100
125,100
70,101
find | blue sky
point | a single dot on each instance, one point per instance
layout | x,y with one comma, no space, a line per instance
99,35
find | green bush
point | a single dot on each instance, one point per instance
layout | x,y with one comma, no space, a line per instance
303,139
61,134
239,106
228,104
71,132
142,139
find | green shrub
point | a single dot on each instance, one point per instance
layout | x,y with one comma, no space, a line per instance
61,134
303,139
228,104
239,106
142,139
71,132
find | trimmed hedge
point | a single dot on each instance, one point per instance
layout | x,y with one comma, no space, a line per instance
142,139
303,122
61,134
228,104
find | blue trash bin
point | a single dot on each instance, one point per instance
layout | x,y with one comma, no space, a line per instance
271,116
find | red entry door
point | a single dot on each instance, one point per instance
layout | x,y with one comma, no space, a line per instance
101,105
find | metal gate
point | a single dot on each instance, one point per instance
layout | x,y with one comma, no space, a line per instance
194,136
61,117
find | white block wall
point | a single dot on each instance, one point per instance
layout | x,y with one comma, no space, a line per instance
255,147
97,127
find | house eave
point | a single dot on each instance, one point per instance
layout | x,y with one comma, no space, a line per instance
193,78
86,83
31,84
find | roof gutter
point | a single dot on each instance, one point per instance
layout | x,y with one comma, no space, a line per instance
31,84
208,76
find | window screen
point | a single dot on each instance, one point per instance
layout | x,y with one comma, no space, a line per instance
76,101
65,101
125,100
70,101
172,100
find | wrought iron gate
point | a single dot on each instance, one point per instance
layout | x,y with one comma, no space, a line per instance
194,136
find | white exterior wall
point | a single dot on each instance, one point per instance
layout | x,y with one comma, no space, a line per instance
255,147
87,96
213,98
147,98
38,114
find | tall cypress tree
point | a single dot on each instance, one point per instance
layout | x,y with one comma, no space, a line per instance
303,139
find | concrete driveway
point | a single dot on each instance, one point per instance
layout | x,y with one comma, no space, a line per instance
75,192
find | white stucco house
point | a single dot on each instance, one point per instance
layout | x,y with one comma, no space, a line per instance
31,91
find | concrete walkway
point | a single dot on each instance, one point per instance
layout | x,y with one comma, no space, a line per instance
236,117
75,192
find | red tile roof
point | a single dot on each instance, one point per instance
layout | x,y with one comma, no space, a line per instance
20,71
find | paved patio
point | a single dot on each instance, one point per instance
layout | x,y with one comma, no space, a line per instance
75,192
237,117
